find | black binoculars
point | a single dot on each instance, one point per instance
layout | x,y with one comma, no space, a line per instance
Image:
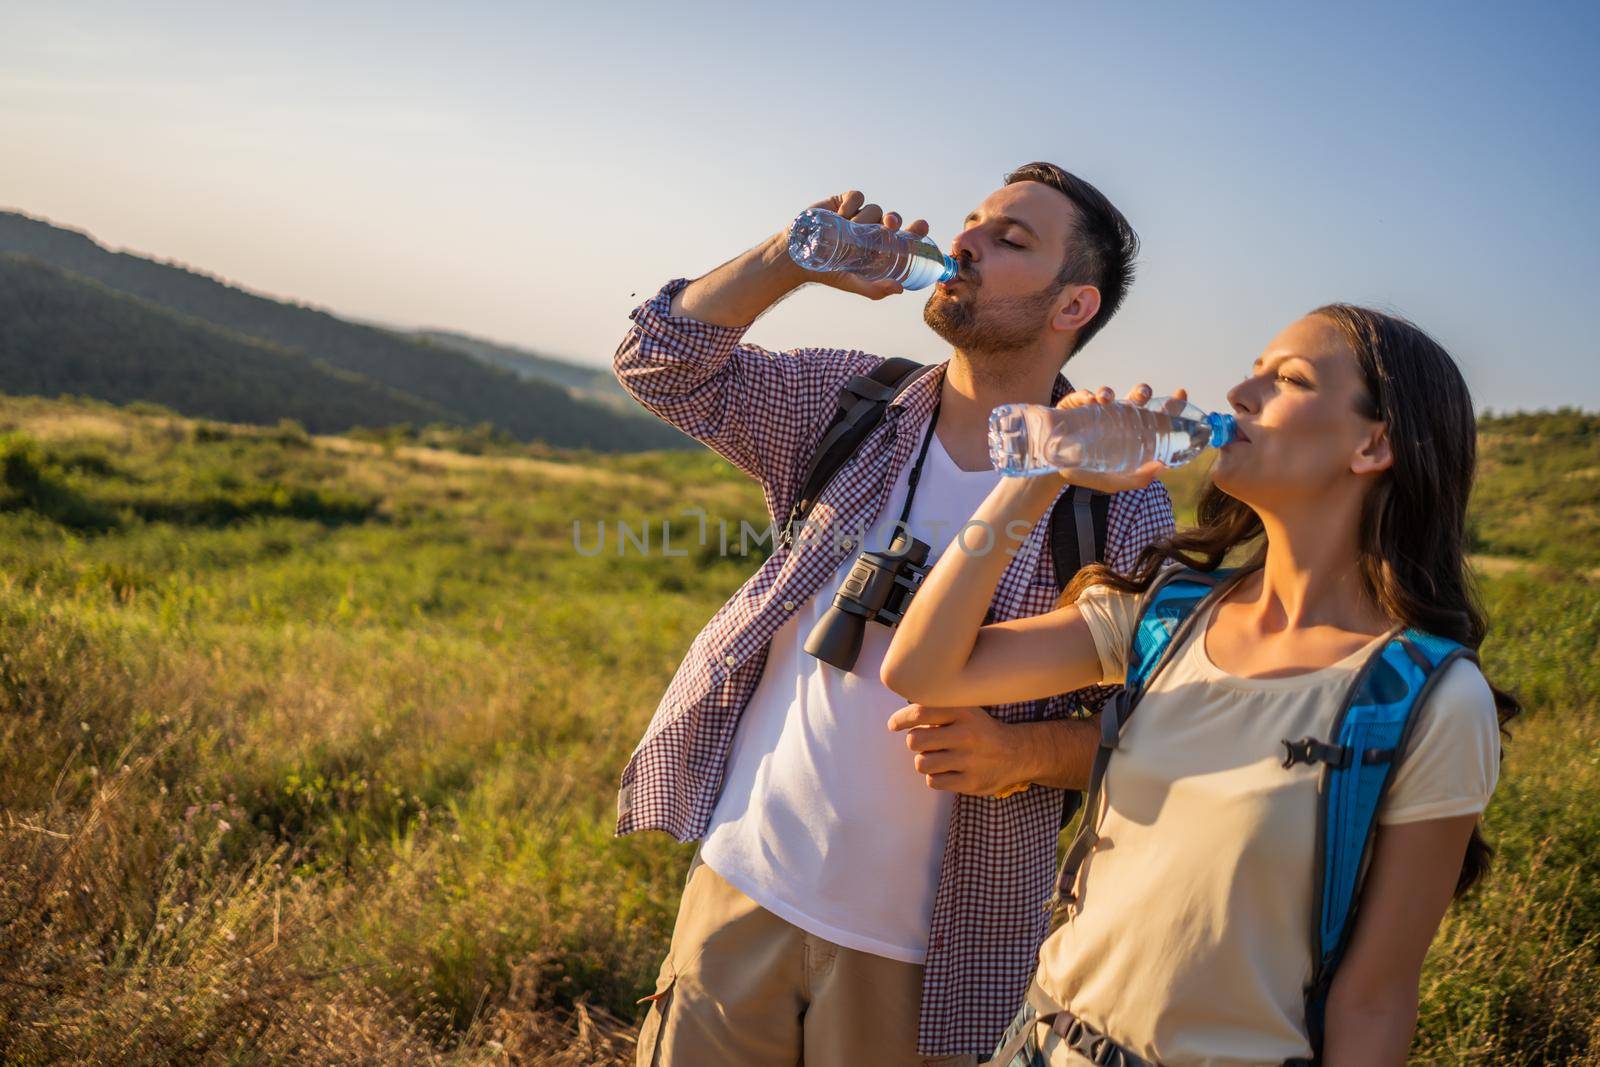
878,589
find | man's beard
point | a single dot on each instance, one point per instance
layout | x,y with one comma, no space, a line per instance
1004,324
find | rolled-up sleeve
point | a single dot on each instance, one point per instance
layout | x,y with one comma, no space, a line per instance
761,410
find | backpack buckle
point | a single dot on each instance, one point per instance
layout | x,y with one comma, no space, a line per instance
1299,751
1310,750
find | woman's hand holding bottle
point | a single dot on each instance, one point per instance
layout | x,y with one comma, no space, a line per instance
1109,481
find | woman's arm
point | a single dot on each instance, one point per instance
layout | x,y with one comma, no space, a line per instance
942,654
1372,1006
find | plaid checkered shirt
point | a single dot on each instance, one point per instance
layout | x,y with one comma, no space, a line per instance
765,412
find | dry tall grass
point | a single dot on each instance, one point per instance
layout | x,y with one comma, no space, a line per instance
309,755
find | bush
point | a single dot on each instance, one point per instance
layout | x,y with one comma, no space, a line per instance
29,481
291,434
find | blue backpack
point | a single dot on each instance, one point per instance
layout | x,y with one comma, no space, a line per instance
1372,727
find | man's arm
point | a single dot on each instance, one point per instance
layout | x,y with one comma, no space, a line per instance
683,359
758,409
742,289
967,750
1058,754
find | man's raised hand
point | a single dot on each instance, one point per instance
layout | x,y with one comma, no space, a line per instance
853,205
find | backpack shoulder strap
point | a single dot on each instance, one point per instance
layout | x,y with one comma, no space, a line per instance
1164,617
861,404
1076,535
1370,734
1077,531
1166,613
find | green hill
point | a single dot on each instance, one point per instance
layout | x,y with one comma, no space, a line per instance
463,389
64,334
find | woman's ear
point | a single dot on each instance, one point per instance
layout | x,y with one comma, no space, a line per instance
1374,455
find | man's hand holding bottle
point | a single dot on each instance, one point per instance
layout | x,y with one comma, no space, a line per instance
852,205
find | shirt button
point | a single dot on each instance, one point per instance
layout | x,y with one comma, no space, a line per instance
788,605
730,659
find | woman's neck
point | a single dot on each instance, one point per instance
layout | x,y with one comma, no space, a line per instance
1311,577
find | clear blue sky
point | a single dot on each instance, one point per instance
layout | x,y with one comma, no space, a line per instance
519,171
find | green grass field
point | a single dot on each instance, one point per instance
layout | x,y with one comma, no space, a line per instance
309,746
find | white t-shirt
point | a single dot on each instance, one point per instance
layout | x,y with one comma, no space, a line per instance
1192,943
822,818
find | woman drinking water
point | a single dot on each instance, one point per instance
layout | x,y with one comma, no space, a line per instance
1194,926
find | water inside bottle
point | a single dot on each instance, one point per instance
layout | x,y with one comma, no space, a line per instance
1186,440
1009,442
815,243
1025,442
810,242
928,265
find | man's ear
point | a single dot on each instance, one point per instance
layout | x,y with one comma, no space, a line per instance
1083,301
1375,454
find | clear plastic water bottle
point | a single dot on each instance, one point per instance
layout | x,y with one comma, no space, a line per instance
1032,439
823,240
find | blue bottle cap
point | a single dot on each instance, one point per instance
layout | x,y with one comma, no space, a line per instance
1223,429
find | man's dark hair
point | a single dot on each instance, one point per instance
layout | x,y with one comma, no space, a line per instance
1102,247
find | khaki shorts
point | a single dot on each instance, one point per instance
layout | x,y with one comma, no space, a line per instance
744,988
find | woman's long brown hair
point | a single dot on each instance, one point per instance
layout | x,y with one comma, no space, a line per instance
1412,554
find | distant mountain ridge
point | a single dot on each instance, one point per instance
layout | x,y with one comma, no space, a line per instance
425,377
64,333
594,383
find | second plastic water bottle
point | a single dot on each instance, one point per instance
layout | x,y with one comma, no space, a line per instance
824,240
1033,439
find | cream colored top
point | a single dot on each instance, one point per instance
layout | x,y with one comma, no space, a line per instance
1191,942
